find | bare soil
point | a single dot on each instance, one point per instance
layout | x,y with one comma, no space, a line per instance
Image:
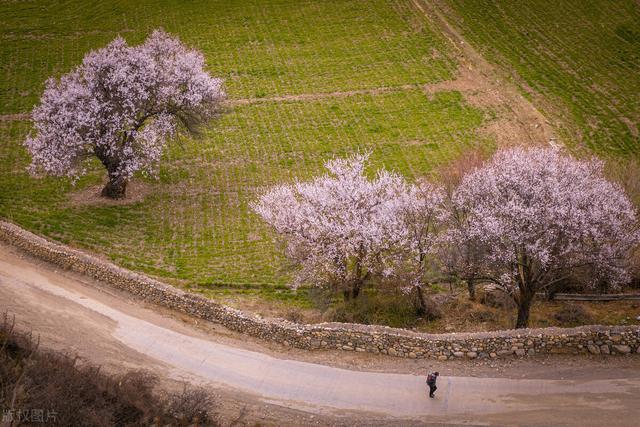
137,191
483,84
14,117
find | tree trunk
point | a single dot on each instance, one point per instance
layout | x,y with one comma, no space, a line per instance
352,291
355,284
421,303
116,184
471,286
115,187
426,307
524,306
355,290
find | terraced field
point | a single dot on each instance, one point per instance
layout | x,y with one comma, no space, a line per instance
579,60
306,80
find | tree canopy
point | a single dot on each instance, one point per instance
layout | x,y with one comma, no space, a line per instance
121,105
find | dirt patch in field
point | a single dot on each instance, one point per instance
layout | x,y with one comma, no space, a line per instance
14,117
136,192
483,85
633,128
50,36
322,95
516,121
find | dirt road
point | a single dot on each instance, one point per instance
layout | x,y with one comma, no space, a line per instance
104,327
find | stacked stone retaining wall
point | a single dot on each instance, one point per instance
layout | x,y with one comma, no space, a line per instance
348,337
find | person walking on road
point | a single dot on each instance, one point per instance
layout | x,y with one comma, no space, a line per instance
431,382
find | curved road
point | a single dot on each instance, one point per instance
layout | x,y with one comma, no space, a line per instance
67,307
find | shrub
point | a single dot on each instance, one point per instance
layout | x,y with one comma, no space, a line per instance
573,314
492,296
190,405
294,315
389,309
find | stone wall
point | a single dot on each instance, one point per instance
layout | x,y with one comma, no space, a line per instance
347,337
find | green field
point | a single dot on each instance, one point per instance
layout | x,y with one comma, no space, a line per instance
583,57
194,224
262,48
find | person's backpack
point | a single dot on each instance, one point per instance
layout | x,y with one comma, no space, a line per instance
431,379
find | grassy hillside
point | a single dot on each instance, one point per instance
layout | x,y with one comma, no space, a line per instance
194,224
582,56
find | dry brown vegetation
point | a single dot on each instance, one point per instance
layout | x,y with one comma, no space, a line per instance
68,392
463,315
454,311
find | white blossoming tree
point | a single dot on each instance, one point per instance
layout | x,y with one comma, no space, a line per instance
541,216
343,228
122,105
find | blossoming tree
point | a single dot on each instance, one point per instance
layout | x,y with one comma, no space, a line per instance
540,216
343,228
421,214
122,105
459,259
460,256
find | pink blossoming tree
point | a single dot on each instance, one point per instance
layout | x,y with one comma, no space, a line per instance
460,260
541,216
421,214
344,229
122,105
